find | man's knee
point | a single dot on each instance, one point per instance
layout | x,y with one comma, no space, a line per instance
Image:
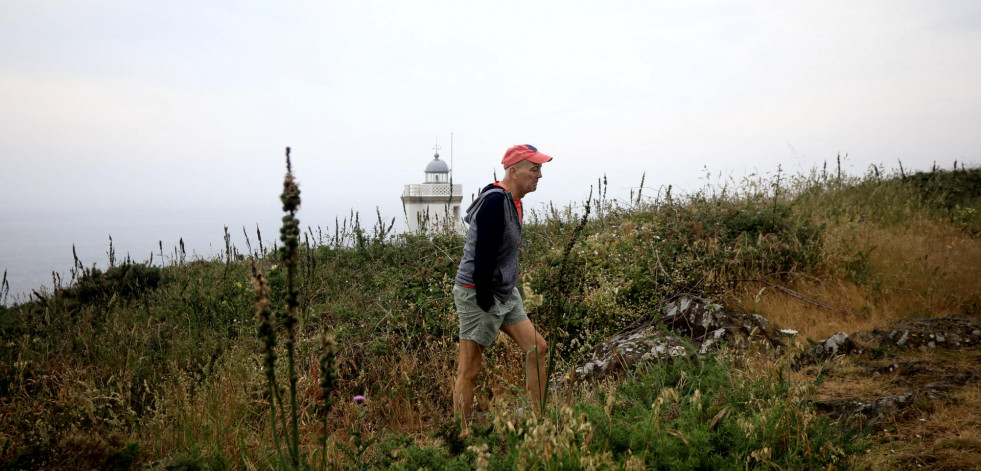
542,345
539,350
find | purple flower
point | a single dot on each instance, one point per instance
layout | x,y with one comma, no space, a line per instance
863,220
359,399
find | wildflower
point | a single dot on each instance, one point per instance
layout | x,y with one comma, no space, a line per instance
359,399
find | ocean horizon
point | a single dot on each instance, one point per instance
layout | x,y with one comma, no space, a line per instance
35,244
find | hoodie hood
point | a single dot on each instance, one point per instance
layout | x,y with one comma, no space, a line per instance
477,203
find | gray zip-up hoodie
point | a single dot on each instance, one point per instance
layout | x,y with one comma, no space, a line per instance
490,254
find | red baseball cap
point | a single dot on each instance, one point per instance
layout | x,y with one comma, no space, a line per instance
524,152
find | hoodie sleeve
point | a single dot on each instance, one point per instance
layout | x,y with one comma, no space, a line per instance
490,231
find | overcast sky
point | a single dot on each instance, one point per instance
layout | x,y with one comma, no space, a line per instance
148,104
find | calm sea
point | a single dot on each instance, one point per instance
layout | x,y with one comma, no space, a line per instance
35,244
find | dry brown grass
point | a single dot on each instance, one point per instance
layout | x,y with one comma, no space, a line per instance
928,269
940,435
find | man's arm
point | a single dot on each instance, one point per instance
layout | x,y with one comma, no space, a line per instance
490,232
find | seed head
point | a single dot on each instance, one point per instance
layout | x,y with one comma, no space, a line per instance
328,363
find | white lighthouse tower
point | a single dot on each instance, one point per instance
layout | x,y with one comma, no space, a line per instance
433,206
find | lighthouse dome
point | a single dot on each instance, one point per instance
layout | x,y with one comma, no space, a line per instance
437,166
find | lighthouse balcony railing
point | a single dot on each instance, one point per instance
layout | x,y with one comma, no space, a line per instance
432,189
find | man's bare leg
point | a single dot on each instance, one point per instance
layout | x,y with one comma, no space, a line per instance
468,366
536,350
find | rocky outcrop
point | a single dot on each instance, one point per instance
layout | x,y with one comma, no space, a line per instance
686,325
864,414
838,344
707,323
949,332
692,326
625,350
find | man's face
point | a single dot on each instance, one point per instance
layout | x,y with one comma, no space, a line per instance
526,176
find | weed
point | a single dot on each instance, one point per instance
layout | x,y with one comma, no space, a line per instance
287,320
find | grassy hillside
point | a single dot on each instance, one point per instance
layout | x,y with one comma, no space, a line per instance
140,366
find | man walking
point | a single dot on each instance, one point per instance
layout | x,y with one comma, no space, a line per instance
485,292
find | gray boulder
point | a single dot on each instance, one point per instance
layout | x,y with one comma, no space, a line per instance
684,326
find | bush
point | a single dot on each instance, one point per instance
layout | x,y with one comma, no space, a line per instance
124,281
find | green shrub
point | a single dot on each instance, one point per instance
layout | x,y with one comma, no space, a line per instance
195,460
124,281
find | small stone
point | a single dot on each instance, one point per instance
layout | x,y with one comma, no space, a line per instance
932,345
835,341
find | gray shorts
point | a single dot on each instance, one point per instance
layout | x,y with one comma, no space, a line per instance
480,326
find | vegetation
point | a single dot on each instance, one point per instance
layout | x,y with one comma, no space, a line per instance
143,366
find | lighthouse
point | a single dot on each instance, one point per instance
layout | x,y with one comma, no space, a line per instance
434,205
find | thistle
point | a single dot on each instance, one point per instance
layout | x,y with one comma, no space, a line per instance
359,445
